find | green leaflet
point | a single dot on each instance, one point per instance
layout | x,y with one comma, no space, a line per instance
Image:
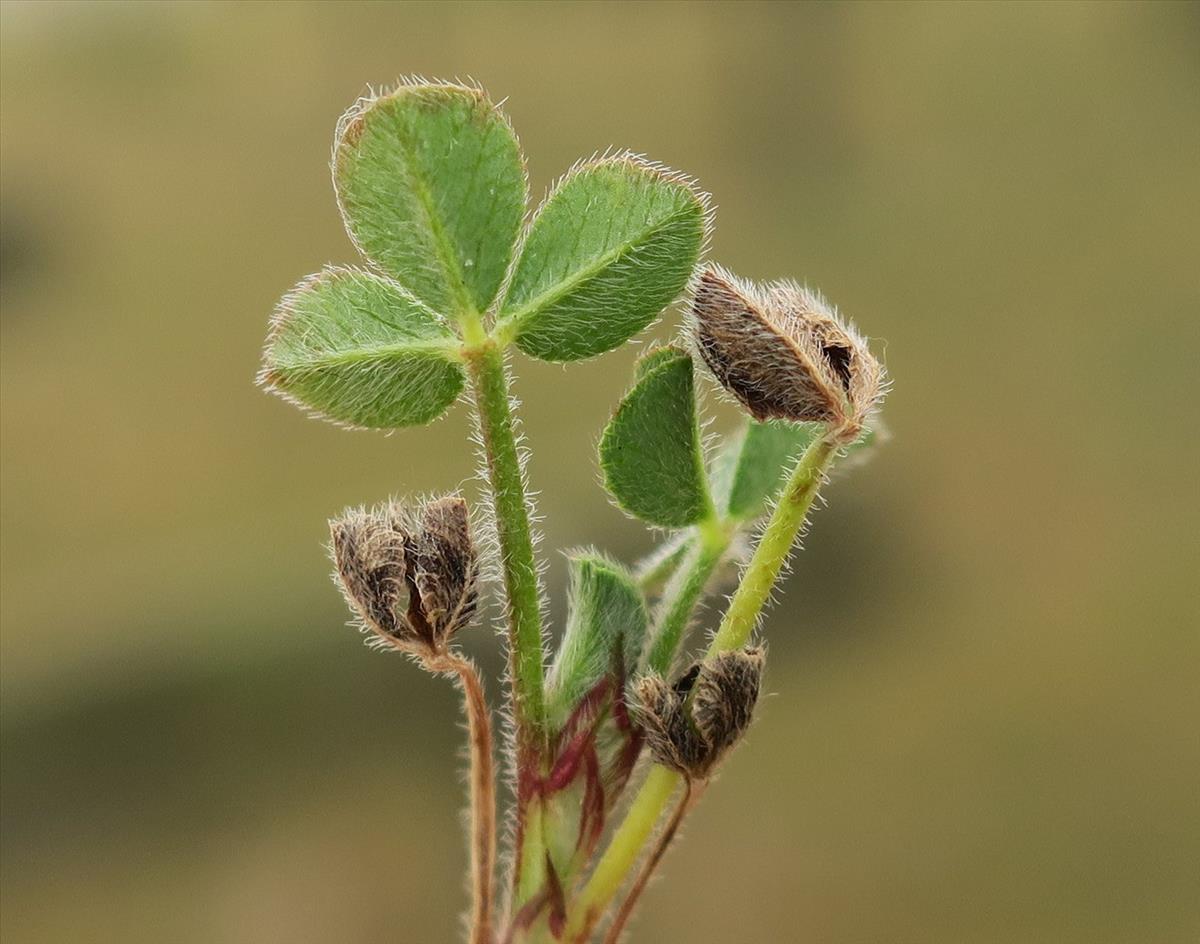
656,358
431,183
358,349
612,246
756,464
607,617
650,451
749,473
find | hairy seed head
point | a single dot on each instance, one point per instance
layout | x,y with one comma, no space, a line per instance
410,576
692,724
782,352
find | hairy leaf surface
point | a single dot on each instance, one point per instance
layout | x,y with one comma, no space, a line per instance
606,627
613,245
760,461
431,183
358,349
650,451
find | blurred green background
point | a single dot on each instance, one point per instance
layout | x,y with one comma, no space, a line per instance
984,670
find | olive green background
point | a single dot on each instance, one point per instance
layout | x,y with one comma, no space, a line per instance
984,670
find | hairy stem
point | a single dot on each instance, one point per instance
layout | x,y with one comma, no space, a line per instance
754,589
683,593
622,852
656,568
489,382
774,547
483,795
691,796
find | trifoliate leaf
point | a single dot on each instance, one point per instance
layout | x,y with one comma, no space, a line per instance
358,349
613,245
606,629
431,183
757,463
650,451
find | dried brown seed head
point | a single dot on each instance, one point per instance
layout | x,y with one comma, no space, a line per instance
782,351
443,567
411,577
368,557
726,692
692,724
672,739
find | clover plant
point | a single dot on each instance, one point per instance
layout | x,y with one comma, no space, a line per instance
456,276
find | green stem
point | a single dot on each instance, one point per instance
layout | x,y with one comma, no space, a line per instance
656,568
622,852
684,591
751,596
756,584
530,875
489,381
688,799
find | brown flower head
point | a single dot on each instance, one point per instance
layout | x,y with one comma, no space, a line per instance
781,350
692,724
410,576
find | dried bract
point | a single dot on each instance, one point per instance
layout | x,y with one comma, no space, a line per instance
691,725
411,577
782,351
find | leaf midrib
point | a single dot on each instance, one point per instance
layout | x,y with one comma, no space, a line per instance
601,262
445,251
445,349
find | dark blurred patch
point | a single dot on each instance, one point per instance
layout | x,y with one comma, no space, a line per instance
180,757
26,254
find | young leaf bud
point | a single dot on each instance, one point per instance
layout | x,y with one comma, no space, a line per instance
781,351
410,577
691,725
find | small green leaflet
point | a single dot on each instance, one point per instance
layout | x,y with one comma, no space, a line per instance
757,463
606,627
358,349
650,451
749,473
613,245
431,183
